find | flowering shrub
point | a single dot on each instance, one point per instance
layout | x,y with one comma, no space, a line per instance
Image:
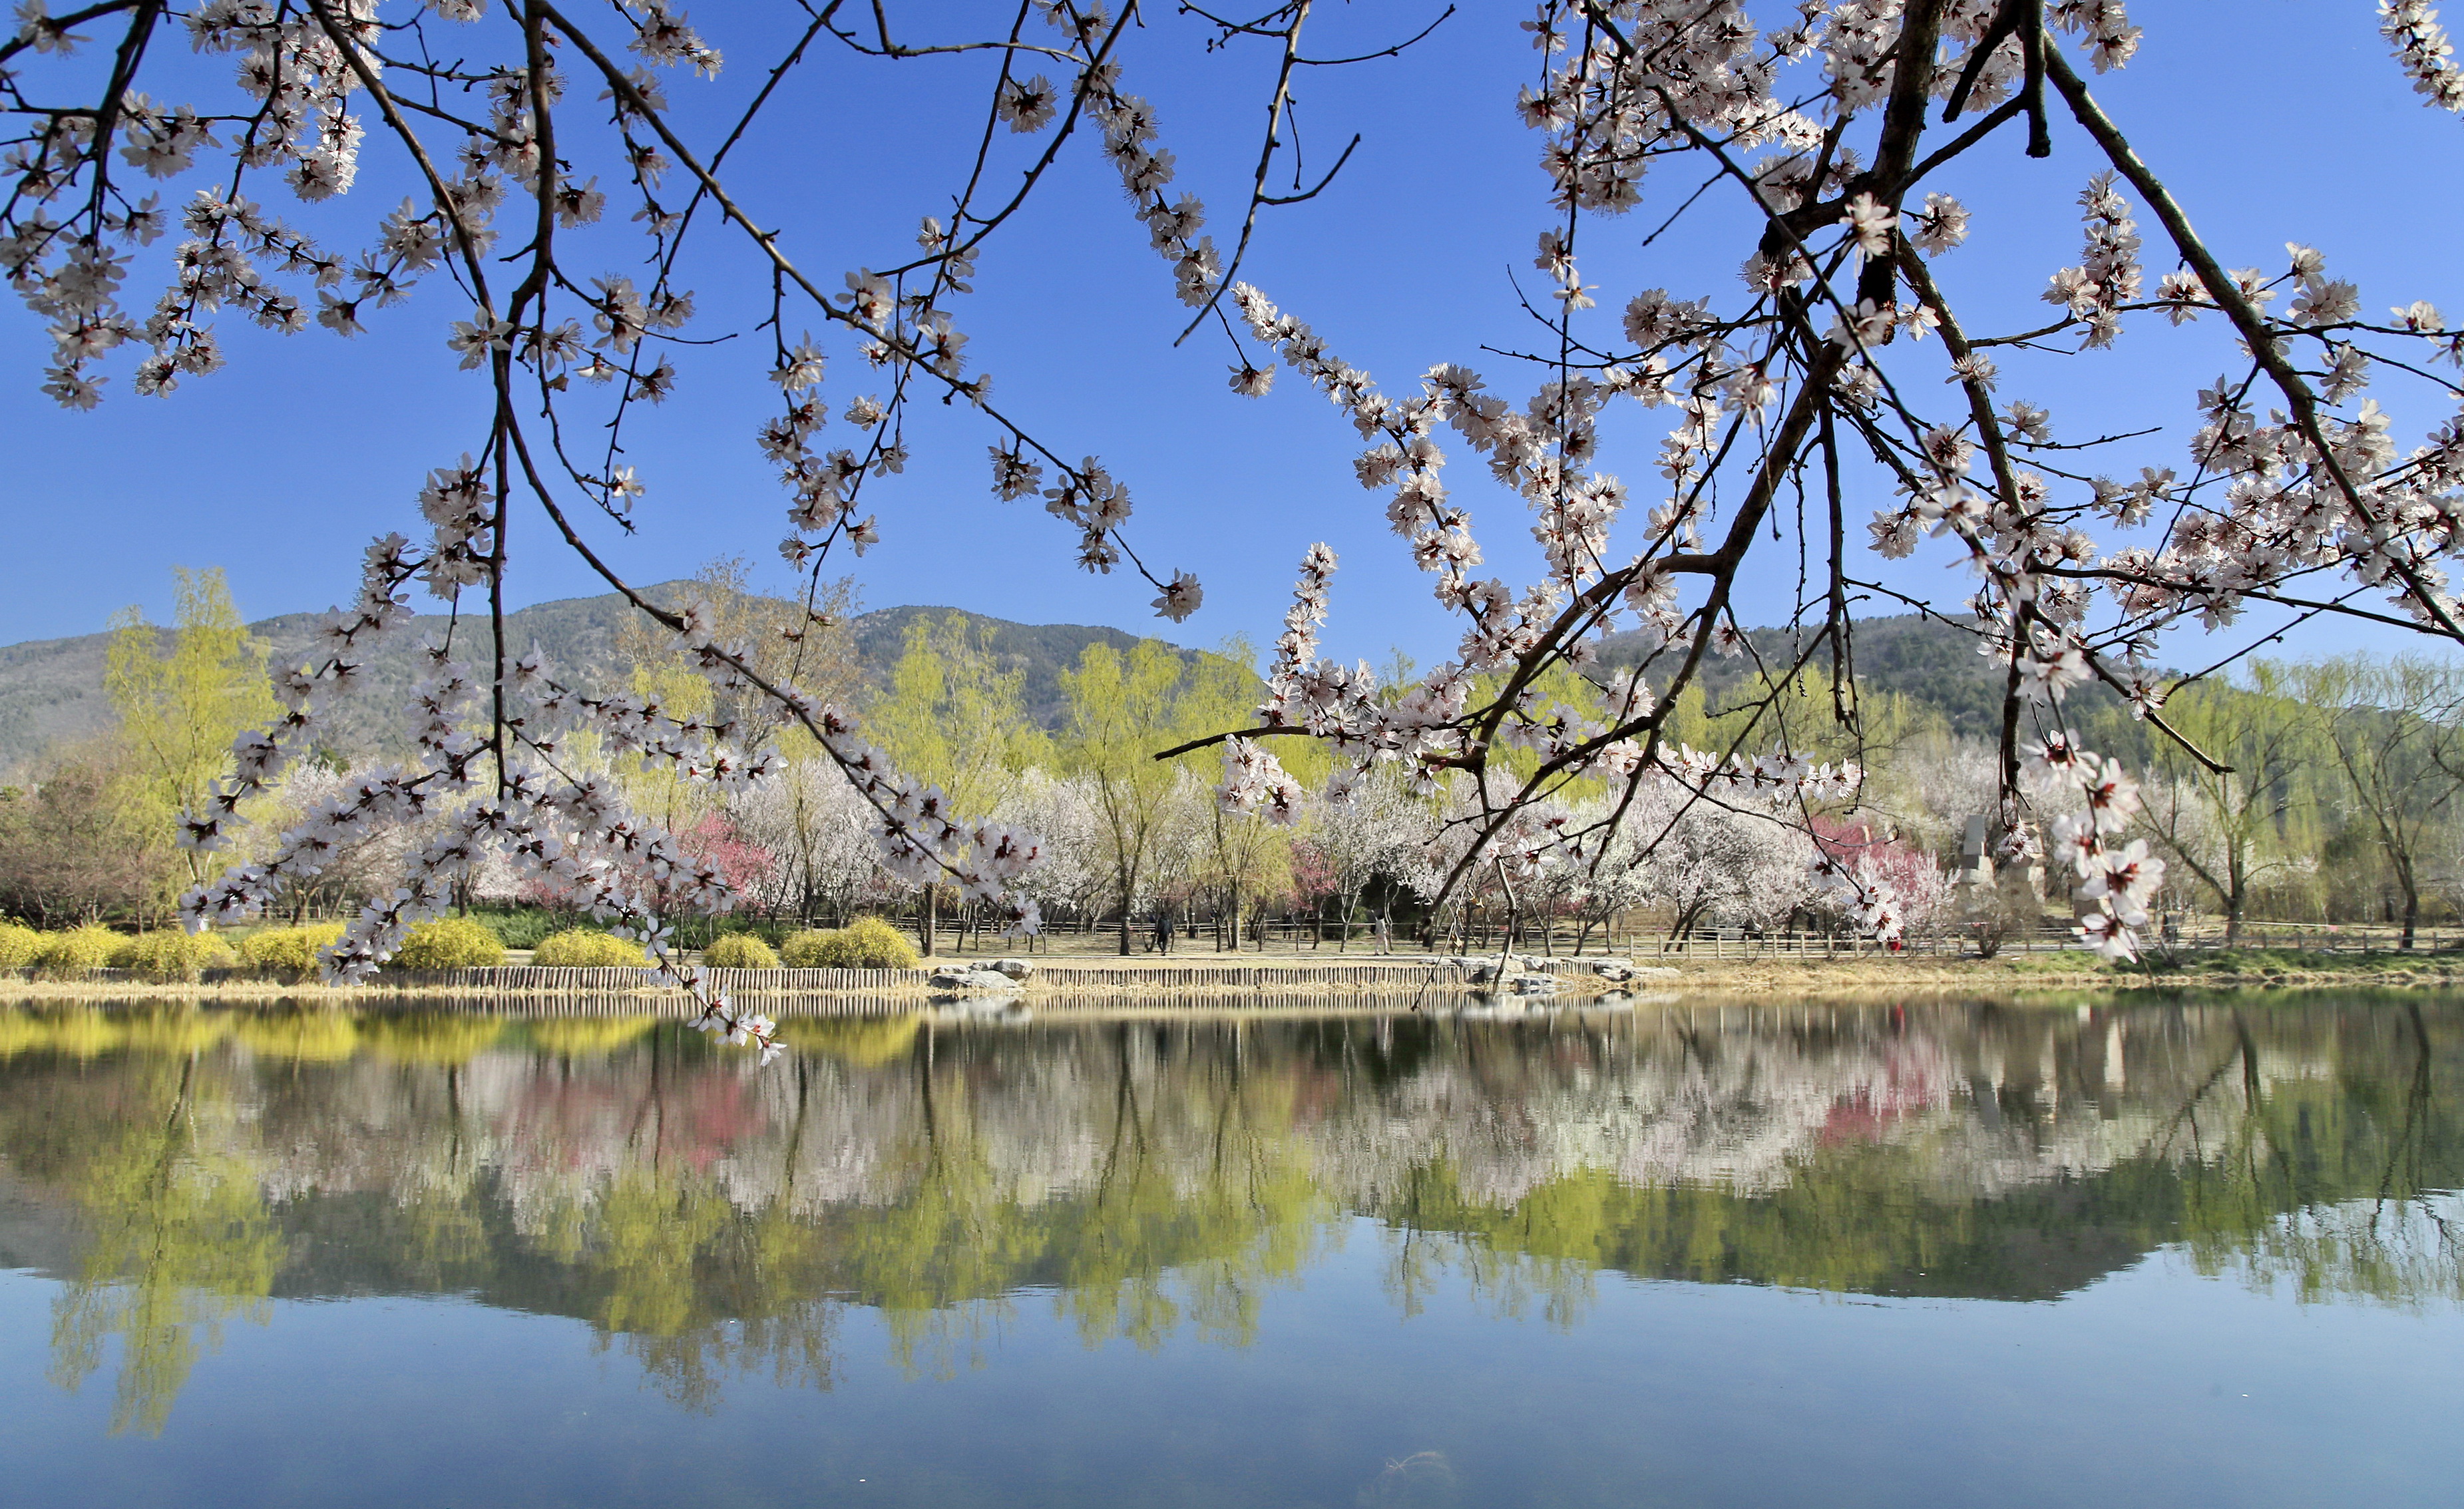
586,948
74,952
173,955
291,952
456,942
740,951
868,943
18,946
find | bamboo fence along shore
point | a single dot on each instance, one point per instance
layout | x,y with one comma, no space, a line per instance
1219,982
1046,981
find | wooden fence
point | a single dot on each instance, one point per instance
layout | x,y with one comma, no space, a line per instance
1403,971
1739,942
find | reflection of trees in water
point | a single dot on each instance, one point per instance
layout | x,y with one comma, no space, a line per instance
175,1238
1156,1178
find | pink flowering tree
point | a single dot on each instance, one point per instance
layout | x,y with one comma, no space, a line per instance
1835,378
1883,860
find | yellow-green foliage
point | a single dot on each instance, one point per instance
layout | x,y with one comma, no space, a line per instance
17,945
585,1036
172,954
871,944
586,948
288,950
864,1041
78,951
740,951
456,943
312,1035
181,1029
86,1031
428,1037
77,1032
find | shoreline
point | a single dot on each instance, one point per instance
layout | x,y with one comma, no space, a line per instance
1298,980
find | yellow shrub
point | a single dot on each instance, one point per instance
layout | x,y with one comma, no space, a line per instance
456,942
740,951
586,948
172,954
871,944
288,950
78,951
17,945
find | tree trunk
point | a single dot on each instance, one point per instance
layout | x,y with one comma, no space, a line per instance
925,917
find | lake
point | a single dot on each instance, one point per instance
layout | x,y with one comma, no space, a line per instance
2136,1250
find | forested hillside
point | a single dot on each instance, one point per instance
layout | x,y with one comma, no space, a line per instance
51,690
1932,664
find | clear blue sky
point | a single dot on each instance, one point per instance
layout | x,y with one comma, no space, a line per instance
2275,120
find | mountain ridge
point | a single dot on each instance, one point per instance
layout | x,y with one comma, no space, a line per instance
51,691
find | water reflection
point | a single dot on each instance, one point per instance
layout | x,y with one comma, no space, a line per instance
1157,1178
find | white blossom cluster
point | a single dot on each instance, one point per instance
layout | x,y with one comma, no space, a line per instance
2314,487
2115,880
2424,52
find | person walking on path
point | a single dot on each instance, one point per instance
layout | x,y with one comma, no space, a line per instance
1385,935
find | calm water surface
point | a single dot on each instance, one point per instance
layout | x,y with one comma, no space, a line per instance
2144,1253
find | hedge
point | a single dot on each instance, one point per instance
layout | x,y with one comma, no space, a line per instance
586,948
740,951
456,942
869,943
289,951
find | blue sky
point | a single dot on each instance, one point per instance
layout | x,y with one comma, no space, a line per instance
2274,120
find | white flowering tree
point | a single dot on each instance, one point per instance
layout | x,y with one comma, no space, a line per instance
1371,832
1827,140
816,824
1072,877
1719,863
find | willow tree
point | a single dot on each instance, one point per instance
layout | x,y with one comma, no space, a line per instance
2246,819
1121,703
954,717
2394,728
181,705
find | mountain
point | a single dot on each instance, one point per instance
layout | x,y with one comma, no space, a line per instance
1933,664
50,690
1042,651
